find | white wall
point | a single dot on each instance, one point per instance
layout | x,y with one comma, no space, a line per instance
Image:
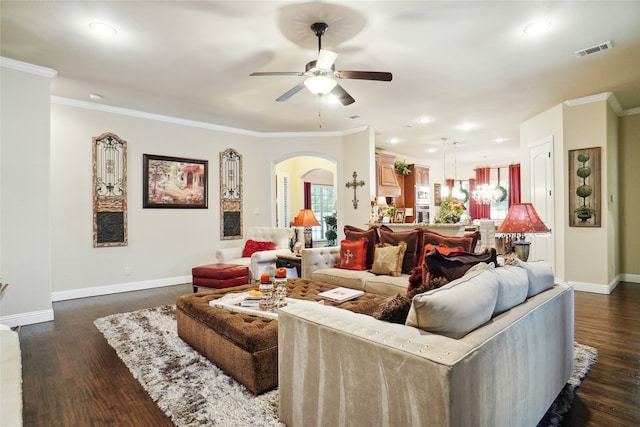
25,238
164,244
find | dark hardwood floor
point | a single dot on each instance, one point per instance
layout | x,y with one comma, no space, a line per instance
72,377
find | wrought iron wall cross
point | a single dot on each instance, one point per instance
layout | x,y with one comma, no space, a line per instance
355,184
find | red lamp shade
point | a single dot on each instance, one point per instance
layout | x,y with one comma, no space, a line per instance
522,218
305,218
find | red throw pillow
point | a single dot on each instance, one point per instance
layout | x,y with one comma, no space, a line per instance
252,246
353,254
437,239
412,238
444,250
354,233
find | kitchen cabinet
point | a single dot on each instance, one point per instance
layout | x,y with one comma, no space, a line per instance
416,193
386,176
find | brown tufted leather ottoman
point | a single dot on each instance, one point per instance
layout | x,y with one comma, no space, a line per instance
243,345
219,276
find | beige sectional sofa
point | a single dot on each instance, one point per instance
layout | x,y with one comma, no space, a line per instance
493,348
319,264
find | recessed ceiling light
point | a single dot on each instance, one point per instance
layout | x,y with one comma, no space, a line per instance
537,27
466,126
500,140
95,97
432,150
394,140
424,120
102,29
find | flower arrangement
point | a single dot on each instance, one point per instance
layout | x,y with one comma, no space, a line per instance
451,209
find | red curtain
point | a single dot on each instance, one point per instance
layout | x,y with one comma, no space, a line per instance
307,195
514,184
473,206
481,211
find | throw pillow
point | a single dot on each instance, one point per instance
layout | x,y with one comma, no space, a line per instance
252,246
437,239
388,259
353,254
355,233
444,250
457,308
540,276
411,238
454,265
393,309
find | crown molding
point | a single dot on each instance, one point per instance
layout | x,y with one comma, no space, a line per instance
59,100
27,68
604,96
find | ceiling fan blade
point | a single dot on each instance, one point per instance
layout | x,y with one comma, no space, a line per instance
288,94
365,75
342,95
326,58
276,73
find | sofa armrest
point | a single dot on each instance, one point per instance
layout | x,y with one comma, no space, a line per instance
316,258
226,254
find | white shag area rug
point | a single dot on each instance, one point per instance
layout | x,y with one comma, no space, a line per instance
192,391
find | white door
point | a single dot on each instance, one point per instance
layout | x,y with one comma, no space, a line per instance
541,179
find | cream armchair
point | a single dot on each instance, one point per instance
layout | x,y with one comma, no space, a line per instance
259,262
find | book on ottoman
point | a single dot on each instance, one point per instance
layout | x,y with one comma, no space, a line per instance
341,294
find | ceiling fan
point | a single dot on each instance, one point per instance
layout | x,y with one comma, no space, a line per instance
321,74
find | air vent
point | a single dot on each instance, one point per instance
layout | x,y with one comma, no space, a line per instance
594,49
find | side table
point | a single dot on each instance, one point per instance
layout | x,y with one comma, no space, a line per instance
290,261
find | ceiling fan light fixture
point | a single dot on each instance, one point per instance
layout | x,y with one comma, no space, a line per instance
320,85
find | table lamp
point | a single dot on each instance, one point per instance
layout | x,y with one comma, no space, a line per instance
306,219
522,219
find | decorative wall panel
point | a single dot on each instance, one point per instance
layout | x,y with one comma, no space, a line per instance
230,195
109,191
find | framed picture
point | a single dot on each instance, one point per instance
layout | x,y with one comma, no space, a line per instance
585,193
399,215
174,182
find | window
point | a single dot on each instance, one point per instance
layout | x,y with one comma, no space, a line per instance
499,209
322,202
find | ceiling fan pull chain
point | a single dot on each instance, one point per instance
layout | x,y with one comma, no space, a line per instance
320,110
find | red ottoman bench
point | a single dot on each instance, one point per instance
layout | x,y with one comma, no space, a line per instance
219,276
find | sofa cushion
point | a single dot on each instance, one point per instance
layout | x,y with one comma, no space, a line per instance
388,259
386,285
355,233
540,276
457,308
354,279
251,246
453,265
513,285
412,238
353,254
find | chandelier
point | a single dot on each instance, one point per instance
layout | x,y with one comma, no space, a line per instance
485,195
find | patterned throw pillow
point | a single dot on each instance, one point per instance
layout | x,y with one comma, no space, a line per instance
411,238
355,233
252,246
388,259
353,254
393,309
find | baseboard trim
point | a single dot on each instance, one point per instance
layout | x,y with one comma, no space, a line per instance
118,288
29,318
596,288
633,278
